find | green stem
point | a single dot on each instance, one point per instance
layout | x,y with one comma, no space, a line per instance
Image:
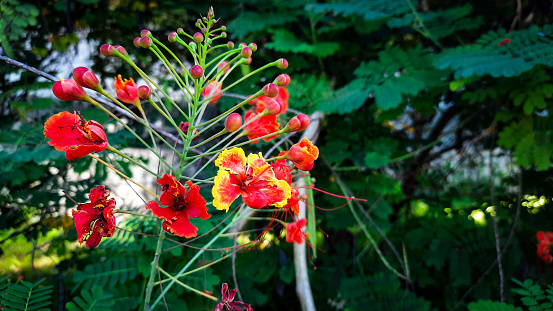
110,148
155,266
224,131
115,211
186,286
195,270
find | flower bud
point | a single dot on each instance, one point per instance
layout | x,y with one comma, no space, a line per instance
107,50
180,31
183,126
193,45
211,13
282,63
274,107
223,34
136,42
144,92
197,24
223,28
121,50
145,33
196,71
146,42
203,30
270,90
66,89
233,122
294,125
305,121
246,52
172,37
253,46
242,44
222,65
282,80
247,61
198,37
230,45
86,78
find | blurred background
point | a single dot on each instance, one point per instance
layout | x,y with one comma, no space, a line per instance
436,112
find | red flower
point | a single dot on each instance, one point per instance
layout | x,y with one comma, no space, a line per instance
180,206
95,220
127,90
282,172
253,178
294,232
212,89
227,302
260,127
303,154
262,101
503,42
543,252
293,202
66,89
545,237
71,133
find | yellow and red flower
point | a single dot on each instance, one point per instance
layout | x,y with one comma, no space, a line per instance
294,232
262,101
180,206
212,89
282,172
262,126
95,220
127,90
251,177
303,154
69,132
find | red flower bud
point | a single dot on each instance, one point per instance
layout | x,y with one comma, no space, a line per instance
144,92
180,31
198,37
230,45
86,78
246,52
222,65
121,50
66,89
247,61
305,121
274,107
203,30
136,42
294,124
107,50
145,33
146,42
233,122
183,126
282,80
282,63
303,154
270,90
253,46
172,37
196,71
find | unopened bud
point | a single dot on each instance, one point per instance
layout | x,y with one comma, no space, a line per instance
198,37
172,37
242,44
144,92
223,65
282,63
204,19
294,124
193,45
246,52
282,80
196,71
121,50
211,12
145,33
274,107
304,197
223,28
180,31
136,42
86,78
203,30
223,34
247,61
146,42
305,121
230,45
233,122
107,50
197,24
270,90
253,46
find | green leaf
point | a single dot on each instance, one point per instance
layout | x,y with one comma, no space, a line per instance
375,160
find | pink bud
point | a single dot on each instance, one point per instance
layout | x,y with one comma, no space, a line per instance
282,80
230,45
180,31
223,34
145,33
233,122
242,44
172,37
85,78
136,42
294,124
247,61
222,65
203,30
274,107
198,37
107,50
246,52
305,121
196,71
146,42
253,46
270,90
282,63
144,92
121,50
223,28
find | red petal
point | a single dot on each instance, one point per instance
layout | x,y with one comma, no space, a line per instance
82,223
182,227
233,160
195,203
94,239
160,212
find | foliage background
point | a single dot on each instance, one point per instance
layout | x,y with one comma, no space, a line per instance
437,112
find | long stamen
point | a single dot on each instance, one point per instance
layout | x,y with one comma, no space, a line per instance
334,195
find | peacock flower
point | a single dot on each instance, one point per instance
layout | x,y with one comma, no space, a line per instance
180,206
127,90
71,133
294,231
282,172
211,91
545,240
303,154
227,301
263,101
95,220
260,127
251,177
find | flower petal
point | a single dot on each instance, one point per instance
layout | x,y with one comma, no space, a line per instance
224,191
195,203
94,239
233,160
182,226
160,212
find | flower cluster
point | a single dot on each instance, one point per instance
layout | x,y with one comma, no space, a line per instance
95,220
545,240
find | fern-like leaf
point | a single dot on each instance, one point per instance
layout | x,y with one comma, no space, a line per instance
95,299
109,273
27,296
488,305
